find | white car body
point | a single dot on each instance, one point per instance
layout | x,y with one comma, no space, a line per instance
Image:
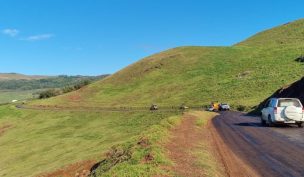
283,111
224,107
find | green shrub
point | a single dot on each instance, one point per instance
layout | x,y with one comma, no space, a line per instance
49,93
55,92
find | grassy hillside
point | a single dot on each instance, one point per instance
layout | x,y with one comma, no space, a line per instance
45,83
33,142
294,90
22,87
290,34
7,96
242,74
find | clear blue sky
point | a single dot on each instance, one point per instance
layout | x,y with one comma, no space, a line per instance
92,37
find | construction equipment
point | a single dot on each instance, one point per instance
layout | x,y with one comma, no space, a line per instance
214,106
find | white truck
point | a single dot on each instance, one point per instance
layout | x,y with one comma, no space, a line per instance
283,111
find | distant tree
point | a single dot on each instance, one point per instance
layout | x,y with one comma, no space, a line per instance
68,89
54,92
47,83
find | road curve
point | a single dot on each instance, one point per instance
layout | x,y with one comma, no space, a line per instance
270,151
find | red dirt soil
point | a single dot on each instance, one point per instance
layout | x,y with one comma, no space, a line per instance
185,137
4,128
74,97
80,169
188,136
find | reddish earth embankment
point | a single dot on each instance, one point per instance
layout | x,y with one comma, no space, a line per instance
294,90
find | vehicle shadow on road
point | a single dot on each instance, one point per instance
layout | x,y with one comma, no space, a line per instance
257,124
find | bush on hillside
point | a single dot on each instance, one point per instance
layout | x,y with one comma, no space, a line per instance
47,83
55,92
241,108
76,87
49,93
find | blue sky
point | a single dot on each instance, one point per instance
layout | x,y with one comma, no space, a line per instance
91,37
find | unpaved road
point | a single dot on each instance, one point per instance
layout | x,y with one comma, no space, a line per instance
269,151
185,138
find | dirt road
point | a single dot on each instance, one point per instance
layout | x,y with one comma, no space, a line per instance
270,151
185,138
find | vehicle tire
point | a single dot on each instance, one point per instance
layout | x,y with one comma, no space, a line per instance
263,122
270,123
300,125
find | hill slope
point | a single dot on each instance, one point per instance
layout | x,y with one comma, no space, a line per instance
46,140
242,74
294,90
16,76
21,87
289,34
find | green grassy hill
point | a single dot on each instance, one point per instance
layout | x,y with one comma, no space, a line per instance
38,141
23,87
243,74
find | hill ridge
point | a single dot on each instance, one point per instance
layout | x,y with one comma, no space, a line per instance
243,74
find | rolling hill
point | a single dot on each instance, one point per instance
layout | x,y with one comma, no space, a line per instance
294,90
16,76
242,74
20,87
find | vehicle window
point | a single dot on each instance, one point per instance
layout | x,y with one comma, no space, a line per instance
289,102
267,104
273,103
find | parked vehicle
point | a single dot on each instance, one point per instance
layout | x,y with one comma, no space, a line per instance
224,107
214,106
210,109
154,107
183,107
283,111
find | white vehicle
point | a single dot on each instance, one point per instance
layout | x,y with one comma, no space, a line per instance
224,107
283,111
